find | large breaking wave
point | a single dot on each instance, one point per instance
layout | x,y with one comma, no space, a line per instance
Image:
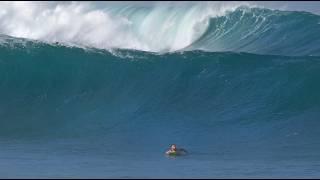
165,28
264,89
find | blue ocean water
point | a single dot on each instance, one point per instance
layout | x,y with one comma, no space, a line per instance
248,109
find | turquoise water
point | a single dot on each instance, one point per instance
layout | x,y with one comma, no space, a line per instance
85,112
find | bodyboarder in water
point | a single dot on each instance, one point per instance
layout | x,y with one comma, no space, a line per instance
174,151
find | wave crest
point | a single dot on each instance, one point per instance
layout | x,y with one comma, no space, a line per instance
165,28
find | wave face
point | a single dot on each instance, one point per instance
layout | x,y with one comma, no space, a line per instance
166,28
263,31
55,91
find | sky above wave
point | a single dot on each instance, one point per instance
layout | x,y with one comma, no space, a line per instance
309,6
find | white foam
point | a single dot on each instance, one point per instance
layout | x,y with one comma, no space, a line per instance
162,27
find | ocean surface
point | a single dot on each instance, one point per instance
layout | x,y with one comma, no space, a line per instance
243,98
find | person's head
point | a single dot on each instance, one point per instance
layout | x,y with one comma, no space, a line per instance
173,147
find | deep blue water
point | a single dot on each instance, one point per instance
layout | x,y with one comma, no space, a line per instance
72,158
